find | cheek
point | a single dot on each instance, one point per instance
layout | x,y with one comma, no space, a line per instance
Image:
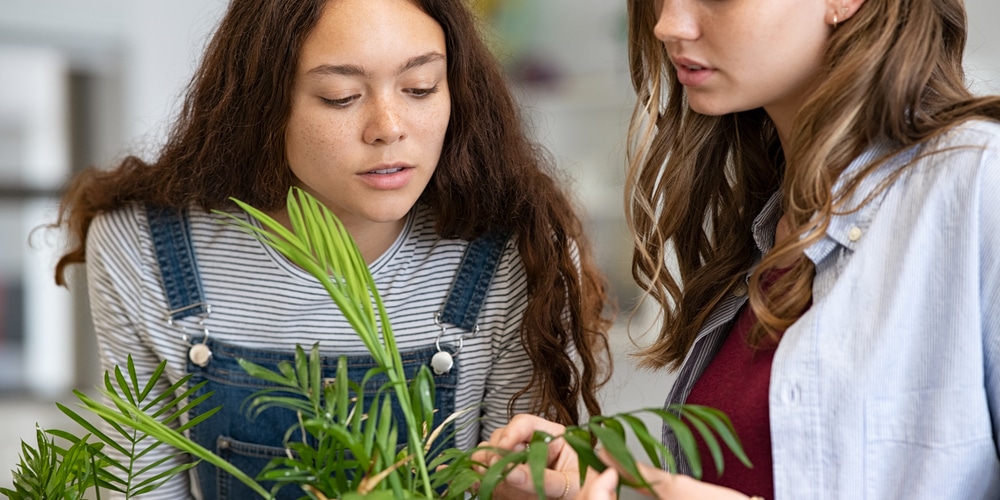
436,123
312,140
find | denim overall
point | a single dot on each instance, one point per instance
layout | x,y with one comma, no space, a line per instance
250,443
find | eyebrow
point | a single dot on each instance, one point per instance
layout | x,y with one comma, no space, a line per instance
355,70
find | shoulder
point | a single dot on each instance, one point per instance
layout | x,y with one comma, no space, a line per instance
977,142
124,230
965,157
964,164
975,132
129,226
972,149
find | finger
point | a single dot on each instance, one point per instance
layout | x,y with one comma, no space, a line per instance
651,475
600,486
645,471
556,483
666,485
483,453
521,428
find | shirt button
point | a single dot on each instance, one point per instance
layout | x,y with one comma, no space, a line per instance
791,394
740,290
854,234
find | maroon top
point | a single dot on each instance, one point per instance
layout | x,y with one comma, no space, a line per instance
736,382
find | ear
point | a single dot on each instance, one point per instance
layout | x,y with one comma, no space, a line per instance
838,11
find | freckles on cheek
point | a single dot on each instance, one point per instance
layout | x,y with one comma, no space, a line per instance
313,141
438,122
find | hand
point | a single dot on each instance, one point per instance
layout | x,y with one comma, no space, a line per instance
664,484
562,472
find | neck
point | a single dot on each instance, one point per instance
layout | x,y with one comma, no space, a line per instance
783,124
372,238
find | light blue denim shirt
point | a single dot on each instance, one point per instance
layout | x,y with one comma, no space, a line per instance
889,386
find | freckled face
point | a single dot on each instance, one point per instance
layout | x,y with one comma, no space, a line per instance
370,107
736,55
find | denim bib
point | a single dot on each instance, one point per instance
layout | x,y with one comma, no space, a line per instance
249,443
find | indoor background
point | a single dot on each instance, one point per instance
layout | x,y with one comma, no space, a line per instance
84,82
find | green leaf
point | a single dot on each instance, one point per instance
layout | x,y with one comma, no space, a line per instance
124,385
721,424
710,442
580,440
133,417
496,472
315,378
422,396
164,401
538,456
151,383
685,438
385,436
652,445
611,437
259,372
90,427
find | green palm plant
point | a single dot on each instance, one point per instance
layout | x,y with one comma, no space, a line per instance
51,471
349,441
320,244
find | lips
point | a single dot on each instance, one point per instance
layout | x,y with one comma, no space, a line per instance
383,171
388,176
690,72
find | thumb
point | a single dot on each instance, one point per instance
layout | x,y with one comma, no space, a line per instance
600,486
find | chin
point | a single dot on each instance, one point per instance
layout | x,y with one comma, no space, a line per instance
710,109
388,215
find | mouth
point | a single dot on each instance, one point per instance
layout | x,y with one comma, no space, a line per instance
389,176
388,169
688,64
692,73
385,171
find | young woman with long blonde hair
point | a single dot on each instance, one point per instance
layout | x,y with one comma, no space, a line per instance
811,191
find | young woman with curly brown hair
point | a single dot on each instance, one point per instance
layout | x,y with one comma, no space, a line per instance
395,115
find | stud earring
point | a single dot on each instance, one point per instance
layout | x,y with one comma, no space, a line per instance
836,19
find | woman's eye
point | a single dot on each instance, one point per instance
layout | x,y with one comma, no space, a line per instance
423,92
339,103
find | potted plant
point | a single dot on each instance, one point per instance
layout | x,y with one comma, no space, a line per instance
349,444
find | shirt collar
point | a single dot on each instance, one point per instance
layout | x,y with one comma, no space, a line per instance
845,229
766,223
850,223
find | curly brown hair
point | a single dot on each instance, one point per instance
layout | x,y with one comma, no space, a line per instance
229,141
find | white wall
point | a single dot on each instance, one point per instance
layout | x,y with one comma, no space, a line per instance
982,53
158,42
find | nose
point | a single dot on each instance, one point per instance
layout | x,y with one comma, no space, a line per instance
384,124
676,21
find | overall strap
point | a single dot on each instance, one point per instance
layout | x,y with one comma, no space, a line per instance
171,234
472,282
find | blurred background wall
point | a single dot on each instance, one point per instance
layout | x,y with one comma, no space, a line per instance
84,82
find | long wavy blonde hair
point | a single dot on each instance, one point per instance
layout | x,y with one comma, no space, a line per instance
695,183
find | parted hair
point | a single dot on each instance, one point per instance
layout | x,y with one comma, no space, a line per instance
695,183
229,141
